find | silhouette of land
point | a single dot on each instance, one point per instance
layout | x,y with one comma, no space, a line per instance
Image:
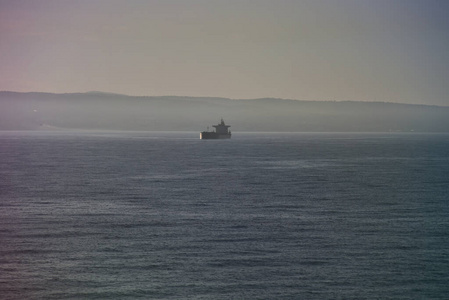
105,111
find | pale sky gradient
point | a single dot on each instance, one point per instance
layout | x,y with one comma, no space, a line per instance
367,50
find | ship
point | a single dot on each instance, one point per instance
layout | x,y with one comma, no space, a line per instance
221,132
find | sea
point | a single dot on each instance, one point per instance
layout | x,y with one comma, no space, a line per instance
165,215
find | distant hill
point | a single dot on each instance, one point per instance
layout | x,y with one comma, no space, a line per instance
97,110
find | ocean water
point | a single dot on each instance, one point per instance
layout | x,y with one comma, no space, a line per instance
129,215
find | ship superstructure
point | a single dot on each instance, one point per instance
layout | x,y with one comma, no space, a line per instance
221,132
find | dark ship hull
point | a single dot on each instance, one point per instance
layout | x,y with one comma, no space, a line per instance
206,135
221,132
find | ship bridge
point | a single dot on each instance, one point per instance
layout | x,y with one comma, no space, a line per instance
221,128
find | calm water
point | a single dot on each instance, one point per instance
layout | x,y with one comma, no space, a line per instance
115,215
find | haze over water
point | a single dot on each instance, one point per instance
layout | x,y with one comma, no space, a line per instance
123,215
126,215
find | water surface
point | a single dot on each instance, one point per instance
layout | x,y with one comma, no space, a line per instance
126,215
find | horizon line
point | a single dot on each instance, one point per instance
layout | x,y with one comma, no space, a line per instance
217,97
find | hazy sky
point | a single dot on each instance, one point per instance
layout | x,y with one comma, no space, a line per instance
369,50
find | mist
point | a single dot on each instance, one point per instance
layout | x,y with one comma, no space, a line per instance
103,111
